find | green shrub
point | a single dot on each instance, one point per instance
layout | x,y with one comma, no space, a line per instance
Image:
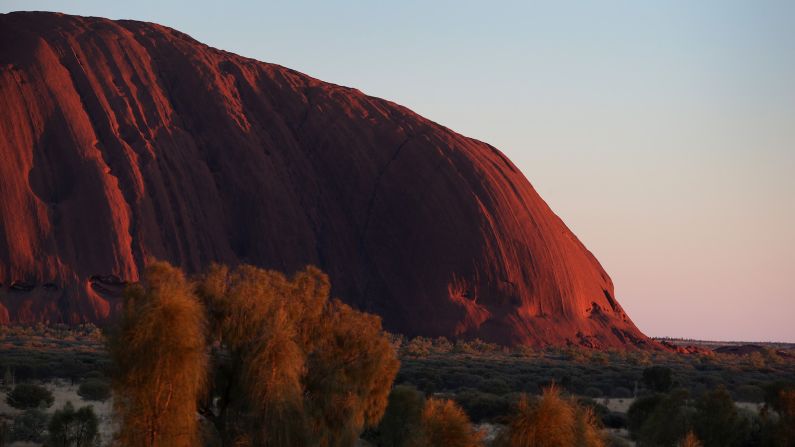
658,378
749,393
640,411
483,406
593,391
402,420
621,392
717,421
70,428
94,390
668,423
29,425
28,395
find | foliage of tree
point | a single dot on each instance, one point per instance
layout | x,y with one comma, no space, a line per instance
482,406
159,353
749,393
669,421
444,423
295,368
717,422
640,411
28,395
781,398
658,378
552,421
5,433
73,428
29,426
776,396
94,390
400,425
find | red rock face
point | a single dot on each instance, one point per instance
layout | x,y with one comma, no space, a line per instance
122,140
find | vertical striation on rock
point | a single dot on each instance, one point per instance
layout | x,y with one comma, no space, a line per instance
123,140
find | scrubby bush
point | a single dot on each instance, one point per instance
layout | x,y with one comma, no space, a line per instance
442,345
717,422
658,378
94,390
419,346
551,421
401,424
667,423
495,385
592,391
73,428
28,395
29,426
443,423
749,393
483,406
640,411
463,347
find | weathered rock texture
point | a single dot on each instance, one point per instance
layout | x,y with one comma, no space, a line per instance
123,140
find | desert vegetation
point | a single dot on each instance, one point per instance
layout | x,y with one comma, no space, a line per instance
265,359
246,356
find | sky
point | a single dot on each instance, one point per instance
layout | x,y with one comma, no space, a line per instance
663,133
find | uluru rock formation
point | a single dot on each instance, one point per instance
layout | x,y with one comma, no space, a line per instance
124,140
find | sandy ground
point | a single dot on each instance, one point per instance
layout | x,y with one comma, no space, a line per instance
618,405
622,405
64,392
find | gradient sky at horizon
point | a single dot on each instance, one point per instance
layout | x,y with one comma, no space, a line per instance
663,133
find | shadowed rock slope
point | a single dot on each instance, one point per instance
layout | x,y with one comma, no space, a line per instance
123,140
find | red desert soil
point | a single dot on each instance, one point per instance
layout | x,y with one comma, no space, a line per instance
123,140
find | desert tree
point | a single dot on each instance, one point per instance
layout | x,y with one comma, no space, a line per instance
665,420
400,425
29,426
260,360
350,369
293,366
73,428
717,422
160,358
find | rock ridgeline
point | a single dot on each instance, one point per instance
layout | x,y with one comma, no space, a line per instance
122,141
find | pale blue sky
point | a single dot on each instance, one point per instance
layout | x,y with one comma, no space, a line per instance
663,133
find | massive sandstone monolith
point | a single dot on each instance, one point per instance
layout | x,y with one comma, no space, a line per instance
121,141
